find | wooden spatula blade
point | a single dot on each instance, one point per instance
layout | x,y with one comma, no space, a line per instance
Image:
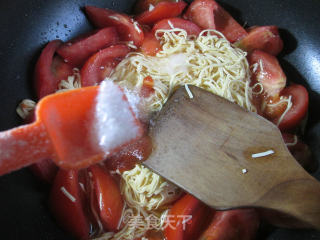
205,144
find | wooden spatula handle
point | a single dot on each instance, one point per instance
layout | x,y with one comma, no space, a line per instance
299,198
23,146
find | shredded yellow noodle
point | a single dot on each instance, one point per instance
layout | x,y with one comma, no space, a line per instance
147,196
209,61
141,187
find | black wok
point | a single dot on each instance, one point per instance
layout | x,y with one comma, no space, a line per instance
26,26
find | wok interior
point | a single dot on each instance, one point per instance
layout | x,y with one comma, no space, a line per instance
26,26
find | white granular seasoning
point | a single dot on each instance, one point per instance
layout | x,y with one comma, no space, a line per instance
116,123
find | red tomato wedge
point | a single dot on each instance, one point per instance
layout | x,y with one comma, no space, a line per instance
147,87
300,101
108,196
100,65
144,5
50,70
265,38
201,13
61,69
273,109
208,14
77,51
190,27
127,158
195,214
241,224
267,71
128,29
67,204
150,45
161,11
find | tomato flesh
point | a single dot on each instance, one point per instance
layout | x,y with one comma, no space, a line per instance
268,72
150,45
61,69
161,11
77,51
100,65
201,13
147,88
128,29
208,14
108,196
185,207
50,70
293,117
299,109
240,224
265,38
145,5
190,27
67,204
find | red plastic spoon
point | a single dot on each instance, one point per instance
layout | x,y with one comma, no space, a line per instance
66,130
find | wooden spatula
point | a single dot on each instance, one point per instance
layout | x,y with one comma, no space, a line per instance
214,150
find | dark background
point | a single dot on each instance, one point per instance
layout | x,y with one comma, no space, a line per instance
26,26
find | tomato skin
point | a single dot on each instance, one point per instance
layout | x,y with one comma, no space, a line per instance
265,38
190,27
187,205
69,214
271,76
161,11
144,5
294,116
108,196
147,88
77,51
100,65
50,70
150,45
45,82
61,70
299,109
127,158
230,28
200,12
128,30
208,14
240,224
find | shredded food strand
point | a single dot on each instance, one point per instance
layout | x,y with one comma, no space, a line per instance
209,61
